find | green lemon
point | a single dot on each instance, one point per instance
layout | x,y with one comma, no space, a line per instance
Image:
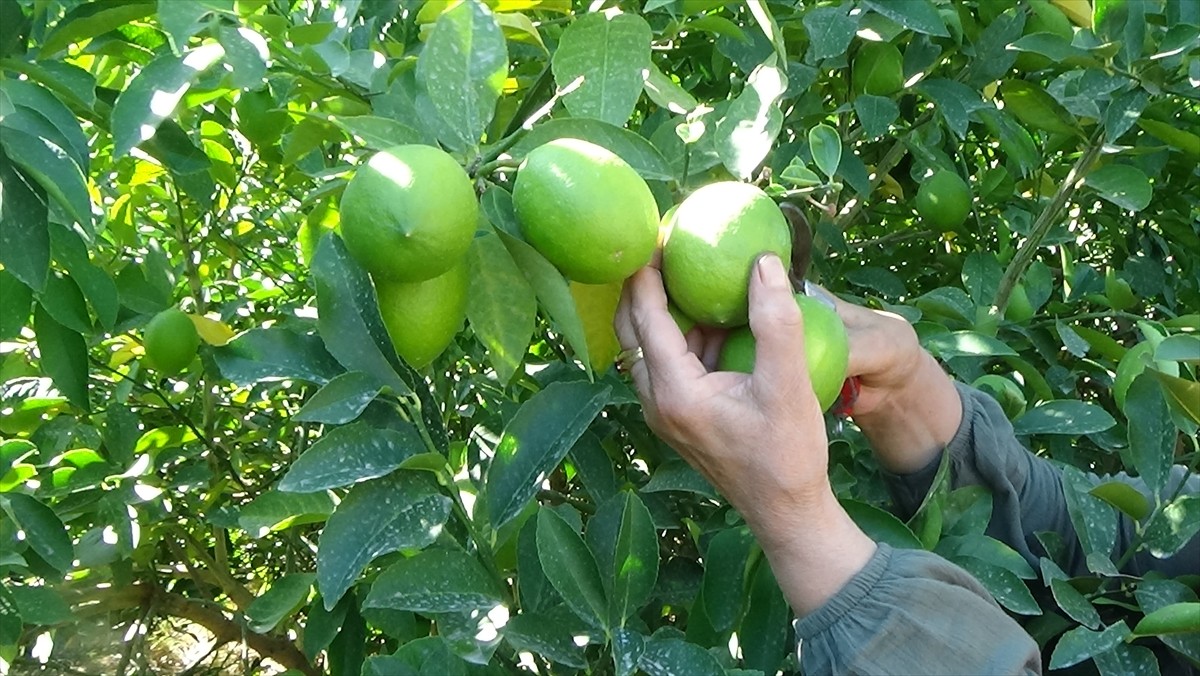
878,69
586,211
171,341
719,231
1005,391
826,349
409,213
423,317
944,201
1043,18
1019,308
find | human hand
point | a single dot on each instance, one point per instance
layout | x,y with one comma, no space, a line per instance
760,437
885,354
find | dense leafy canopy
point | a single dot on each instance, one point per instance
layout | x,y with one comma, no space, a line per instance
303,491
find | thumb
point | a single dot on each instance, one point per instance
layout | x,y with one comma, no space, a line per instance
780,369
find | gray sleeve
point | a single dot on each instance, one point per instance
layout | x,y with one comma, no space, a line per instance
913,612
1027,493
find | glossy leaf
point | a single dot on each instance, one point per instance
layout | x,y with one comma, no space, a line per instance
153,94
44,531
501,306
570,567
284,597
275,354
1064,417
622,538
351,454
435,581
64,357
400,511
1082,643
1125,186
602,61
341,400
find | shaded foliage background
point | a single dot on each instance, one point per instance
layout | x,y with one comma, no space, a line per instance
302,491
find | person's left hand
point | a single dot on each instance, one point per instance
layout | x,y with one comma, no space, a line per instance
758,438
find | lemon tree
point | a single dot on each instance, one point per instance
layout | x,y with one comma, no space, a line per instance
246,428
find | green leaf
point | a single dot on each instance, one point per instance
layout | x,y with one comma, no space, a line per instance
275,354
752,122
1050,45
321,626
1180,347
43,530
341,400
51,167
377,133
1095,522
536,592
68,135
672,656
570,567
763,632
1175,527
875,113
427,656
24,228
1015,140
535,440
41,606
724,575
1127,660
501,306
348,315
99,288
1071,340
830,31
154,93
1082,643
1075,604
1123,185
350,454
677,475
543,635
63,301
64,357
462,67
1008,589
955,102
666,93
637,152
285,596
826,147
246,52
1179,139
274,511
435,581
1151,432
918,15
1064,416
627,648
966,344
601,61
16,302
881,526
1035,108
553,292
1124,497
1184,395
403,510
621,535
89,20
1177,618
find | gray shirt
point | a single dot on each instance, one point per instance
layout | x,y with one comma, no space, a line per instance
913,612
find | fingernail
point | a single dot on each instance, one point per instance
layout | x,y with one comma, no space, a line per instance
771,272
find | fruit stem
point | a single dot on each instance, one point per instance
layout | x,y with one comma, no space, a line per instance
1025,253
488,168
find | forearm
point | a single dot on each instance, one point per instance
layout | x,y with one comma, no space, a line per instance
916,421
813,551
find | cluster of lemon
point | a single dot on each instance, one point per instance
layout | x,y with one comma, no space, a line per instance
409,214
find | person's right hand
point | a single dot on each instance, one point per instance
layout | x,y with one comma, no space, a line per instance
884,354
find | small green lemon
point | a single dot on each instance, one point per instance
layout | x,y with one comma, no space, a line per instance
1005,391
586,211
878,69
423,317
718,233
1019,308
171,341
944,201
409,213
826,349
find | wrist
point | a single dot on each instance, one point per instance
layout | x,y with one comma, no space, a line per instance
912,423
